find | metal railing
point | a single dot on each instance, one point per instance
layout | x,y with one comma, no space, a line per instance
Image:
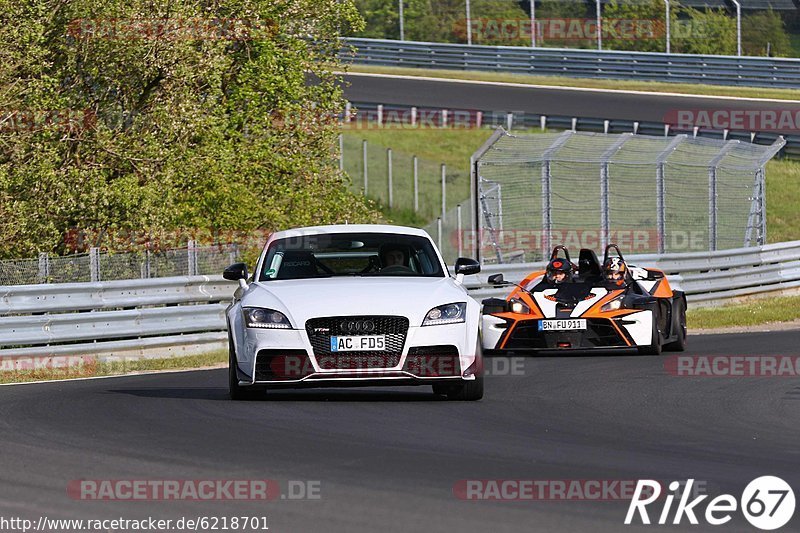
153,316
369,114
644,66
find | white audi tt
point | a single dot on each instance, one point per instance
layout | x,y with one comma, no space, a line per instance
351,305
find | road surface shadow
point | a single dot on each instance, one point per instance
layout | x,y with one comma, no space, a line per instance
424,394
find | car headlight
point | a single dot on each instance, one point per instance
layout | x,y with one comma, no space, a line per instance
446,314
613,305
257,317
519,307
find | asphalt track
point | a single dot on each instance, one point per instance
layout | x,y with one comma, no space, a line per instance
462,95
387,460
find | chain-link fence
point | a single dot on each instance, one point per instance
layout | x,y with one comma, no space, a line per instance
647,194
97,266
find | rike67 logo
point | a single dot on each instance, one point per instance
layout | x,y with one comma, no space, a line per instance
767,503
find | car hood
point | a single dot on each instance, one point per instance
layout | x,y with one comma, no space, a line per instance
340,296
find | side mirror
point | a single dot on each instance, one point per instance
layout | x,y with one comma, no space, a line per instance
496,279
467,266
235,272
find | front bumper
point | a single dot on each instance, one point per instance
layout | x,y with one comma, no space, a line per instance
503,334
288,358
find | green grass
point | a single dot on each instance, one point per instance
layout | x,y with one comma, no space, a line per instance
94,369
764,311
643,86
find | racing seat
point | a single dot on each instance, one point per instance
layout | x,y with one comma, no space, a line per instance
588,266
297,264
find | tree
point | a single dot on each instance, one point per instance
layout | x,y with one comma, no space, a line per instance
762,28
165,115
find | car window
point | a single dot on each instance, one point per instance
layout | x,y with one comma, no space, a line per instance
350,254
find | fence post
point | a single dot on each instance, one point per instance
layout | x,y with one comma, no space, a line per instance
44,267
191,254
416,184
547,221
439,233
713,208
348,109
460,231
661,205
380,115
146,265
605,211
389,175
94,263
444,192
341,152
364,157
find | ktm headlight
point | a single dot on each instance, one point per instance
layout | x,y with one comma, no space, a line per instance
446,314
257,317
613,305
519,307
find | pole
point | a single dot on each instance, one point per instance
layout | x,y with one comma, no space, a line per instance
469,24
416,184
533,23
444,192
666,2
460,231
389,174
599,36
402,29
738,29
364,156
341,152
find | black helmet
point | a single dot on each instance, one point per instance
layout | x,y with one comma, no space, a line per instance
558,270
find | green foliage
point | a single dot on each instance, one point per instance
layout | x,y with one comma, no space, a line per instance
711,32
764,27
169,131
636,26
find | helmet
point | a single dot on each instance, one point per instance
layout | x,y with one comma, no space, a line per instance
558,270
614,269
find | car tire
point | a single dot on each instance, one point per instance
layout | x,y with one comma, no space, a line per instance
466,391
236,391
679,345
655,347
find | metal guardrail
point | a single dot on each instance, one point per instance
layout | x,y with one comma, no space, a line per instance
155,315
645,66
393,115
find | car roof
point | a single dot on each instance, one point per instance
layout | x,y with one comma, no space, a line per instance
349,228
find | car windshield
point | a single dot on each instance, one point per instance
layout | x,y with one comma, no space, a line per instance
350,254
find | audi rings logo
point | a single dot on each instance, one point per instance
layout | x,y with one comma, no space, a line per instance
357,326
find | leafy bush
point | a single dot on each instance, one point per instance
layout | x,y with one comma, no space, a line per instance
157,130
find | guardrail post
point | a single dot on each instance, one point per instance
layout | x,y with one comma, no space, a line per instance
94,263
348,110
389,175
44,267
380,115
543,122
414,117
364,162
444,118
509,121
416,183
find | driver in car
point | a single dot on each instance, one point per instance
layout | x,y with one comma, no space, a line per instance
558,271
393,256
615,270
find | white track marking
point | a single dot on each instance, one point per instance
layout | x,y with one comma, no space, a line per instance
563,88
